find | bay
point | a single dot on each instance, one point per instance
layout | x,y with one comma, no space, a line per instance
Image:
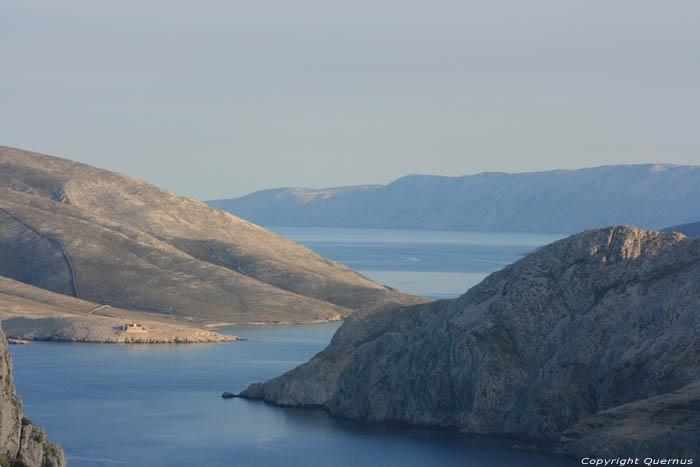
160,405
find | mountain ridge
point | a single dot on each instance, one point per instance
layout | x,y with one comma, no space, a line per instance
566,201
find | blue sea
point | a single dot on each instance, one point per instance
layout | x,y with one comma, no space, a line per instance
160,405
434,264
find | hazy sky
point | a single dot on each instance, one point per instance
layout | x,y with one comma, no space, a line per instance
218,99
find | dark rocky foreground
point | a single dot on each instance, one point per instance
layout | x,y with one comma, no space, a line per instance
591,343
21,442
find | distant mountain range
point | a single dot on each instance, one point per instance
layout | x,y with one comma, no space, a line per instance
109,239
689,230
647,196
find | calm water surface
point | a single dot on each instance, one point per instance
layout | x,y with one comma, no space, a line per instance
160,405
435,264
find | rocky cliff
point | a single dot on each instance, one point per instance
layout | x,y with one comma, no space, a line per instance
580,343
111,239
649,196
21,443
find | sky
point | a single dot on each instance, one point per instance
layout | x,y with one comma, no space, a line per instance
219,99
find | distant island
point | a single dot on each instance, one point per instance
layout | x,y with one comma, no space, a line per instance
650,196
84,251
590,344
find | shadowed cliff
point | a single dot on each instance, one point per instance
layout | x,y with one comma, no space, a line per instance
575,330
21,443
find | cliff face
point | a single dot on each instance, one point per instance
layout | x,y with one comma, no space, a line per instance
649,196
21,443
581,327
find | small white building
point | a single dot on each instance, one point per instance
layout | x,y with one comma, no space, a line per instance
134,327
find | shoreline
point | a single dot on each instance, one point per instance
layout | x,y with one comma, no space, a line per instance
219,326
13,341
40,326
548,448
106,330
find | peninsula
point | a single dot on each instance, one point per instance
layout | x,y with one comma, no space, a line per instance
589,344
105,239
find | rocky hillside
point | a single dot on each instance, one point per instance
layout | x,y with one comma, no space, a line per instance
582,343
21,443
111,239
648,196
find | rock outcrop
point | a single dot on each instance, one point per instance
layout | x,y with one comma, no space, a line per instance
113,240
584,343
650,196
666,426
21,443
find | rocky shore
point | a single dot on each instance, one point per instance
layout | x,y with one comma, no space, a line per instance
30,313
21,442
591,343
107,331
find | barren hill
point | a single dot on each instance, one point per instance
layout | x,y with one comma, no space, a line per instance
111,239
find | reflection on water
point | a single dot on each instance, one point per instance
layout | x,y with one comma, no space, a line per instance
160,405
